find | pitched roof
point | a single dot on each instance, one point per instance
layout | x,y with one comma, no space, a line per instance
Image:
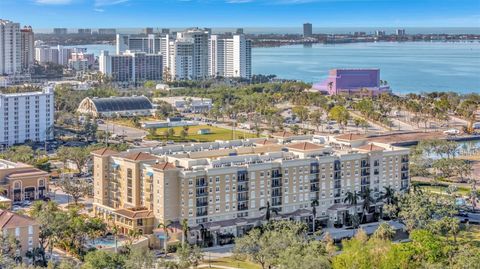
282,134
164,166
265,142
9,219
350,137
28,173
304,146
371,147
134,214
139,156
104,152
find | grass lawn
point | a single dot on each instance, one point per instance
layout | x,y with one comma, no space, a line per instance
231,262
216,133
442,189
470,235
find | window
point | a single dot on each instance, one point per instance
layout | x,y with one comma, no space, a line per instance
30,230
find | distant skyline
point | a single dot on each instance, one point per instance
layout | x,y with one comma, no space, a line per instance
44,14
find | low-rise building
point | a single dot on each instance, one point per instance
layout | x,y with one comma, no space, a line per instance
116,106
188,104
20,182
22,228
353,82
221,186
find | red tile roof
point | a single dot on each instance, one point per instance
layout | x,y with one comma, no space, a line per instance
164,166
104,152
28,173
265,142
304,146
12,220
134,214
350,137
139,156
371,147
282,134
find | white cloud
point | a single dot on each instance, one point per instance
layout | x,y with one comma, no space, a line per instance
98,10
101,3
53,2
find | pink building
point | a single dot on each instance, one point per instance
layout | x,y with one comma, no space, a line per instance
353,81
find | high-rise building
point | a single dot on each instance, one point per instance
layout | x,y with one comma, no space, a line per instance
45,54
149,44
165,31
194,54
60,31
379,33
131,67
400,32
57,55
10,48
181,54
307,30
28,48
148,31
26,116
84,31
107,31
230,56
200,39
221,186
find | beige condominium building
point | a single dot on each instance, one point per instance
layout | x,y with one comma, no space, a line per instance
220,187
20,182
23,228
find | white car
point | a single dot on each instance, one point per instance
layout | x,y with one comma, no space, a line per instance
451,132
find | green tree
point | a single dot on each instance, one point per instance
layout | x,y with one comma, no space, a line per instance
339,114
103,260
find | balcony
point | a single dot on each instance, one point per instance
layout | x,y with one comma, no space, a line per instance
201,183
276,174
242,188
276,201
276,183
314,188
202,193
242,197
405,159
202,212
202,203
404,167
365,164
242,206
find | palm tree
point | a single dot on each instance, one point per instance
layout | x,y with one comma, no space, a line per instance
114,231
367,201
165,226
352,199
314,205
185,230
389,195
269,210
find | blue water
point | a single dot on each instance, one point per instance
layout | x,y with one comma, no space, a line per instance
407,66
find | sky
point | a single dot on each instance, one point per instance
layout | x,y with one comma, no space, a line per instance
46,14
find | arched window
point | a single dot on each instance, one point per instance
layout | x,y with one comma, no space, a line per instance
41,182
17,185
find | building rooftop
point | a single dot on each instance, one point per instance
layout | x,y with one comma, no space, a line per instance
350,137
104,152
305,146
121,103
10,220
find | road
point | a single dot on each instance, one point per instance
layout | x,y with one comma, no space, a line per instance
129,132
